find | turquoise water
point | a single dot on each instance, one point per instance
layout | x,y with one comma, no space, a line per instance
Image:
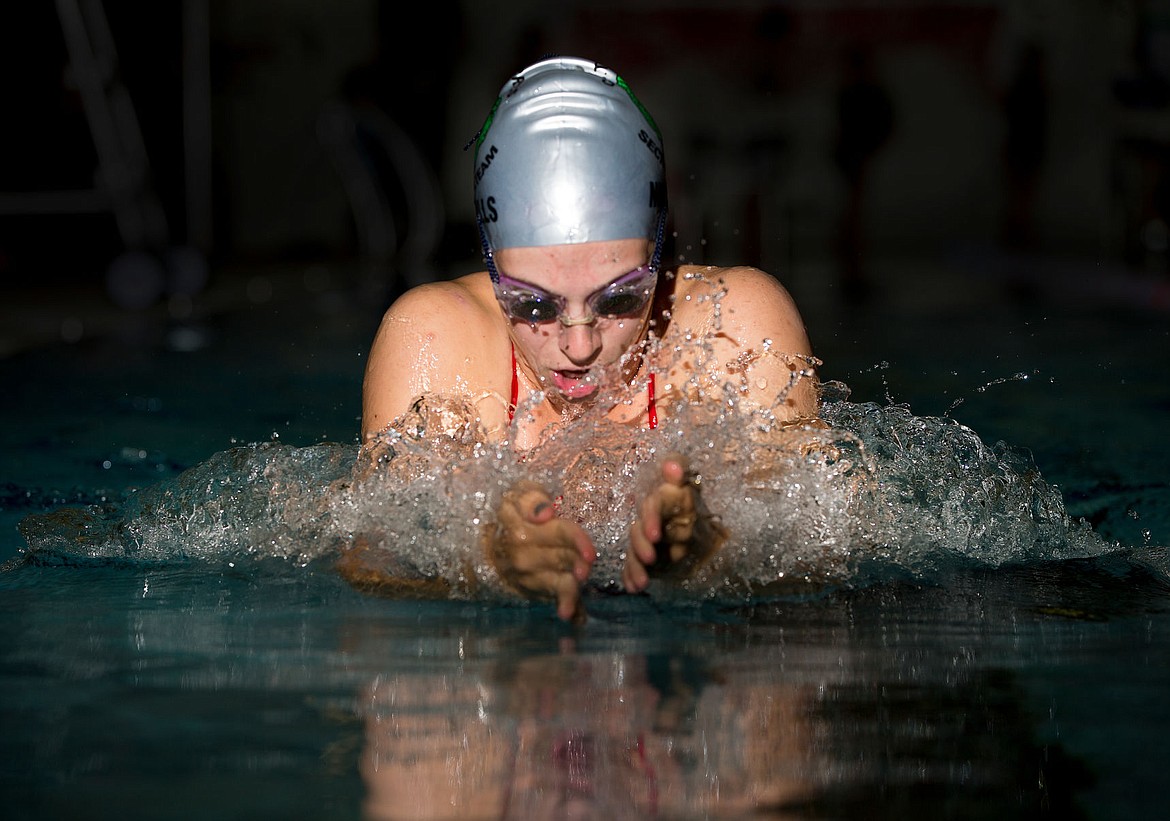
241,677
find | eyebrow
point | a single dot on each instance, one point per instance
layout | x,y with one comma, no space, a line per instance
644,266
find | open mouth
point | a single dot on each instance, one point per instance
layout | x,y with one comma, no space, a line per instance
573,384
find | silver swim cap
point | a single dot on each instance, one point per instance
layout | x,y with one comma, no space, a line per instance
568,155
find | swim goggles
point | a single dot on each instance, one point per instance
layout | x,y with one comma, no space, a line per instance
625,296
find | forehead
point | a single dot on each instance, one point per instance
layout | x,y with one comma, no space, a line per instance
580,268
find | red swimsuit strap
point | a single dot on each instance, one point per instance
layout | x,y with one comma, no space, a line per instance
651,407
515,387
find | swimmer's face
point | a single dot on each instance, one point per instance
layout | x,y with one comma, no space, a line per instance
562,353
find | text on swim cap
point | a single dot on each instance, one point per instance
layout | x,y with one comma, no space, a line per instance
485,162
485,209
654,147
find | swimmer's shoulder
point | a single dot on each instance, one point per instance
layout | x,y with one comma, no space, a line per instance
441,338
753,305
456,302
738,287
455,323
756,313
703,278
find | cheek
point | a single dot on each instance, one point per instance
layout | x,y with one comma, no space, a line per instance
619,336
534,339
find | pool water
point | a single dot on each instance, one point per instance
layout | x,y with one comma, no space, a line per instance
255,686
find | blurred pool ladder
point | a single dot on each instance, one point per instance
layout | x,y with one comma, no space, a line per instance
394,194
123,181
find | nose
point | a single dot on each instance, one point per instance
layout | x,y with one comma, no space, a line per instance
580,343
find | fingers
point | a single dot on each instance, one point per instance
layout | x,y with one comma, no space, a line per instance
523,510
662,502
674,469
649,536
664,515
647,530
532,502
568,594
665,525
635,579
586,553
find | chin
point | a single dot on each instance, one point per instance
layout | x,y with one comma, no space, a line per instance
585,395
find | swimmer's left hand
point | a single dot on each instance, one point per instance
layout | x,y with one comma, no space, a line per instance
672,534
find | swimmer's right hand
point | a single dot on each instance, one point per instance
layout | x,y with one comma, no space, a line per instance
537,553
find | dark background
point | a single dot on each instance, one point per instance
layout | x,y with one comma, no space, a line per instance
859,151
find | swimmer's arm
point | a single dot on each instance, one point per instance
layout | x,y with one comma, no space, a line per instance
376,572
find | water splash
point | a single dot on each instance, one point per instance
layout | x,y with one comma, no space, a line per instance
940,491
262,501
874,492
1003,380
864,493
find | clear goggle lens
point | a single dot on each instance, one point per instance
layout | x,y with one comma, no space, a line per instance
626,296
